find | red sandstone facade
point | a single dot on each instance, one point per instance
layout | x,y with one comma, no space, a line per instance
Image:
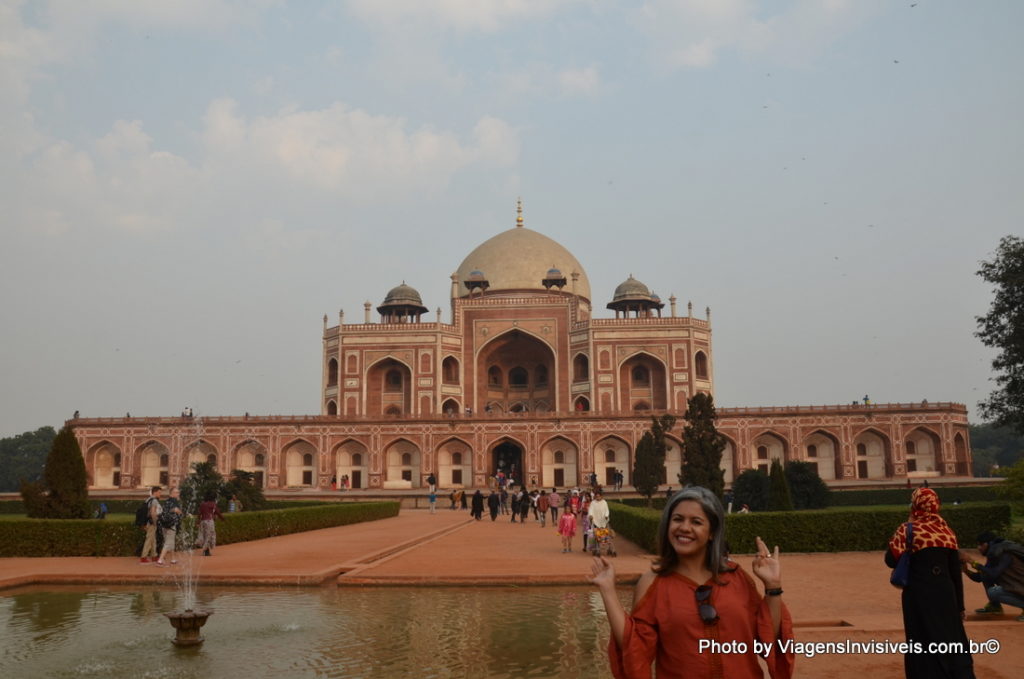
523,379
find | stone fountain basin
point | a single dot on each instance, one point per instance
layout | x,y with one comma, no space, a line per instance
187,624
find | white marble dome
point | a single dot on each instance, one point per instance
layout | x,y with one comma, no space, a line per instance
519,259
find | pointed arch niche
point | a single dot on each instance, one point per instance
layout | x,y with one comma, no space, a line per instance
351,459
611,453
518,370
821,448
642,383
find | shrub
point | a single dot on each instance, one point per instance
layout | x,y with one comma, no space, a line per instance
56,537
815,530
805,486
751,488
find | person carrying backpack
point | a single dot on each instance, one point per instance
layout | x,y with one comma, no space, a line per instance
152,518
1002,575
170,520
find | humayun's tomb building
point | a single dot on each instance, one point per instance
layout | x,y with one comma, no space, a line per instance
525,378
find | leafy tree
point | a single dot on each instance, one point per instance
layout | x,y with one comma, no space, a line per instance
994,447
204,479
779,497
649,465
63,492
1012,488
806,487
23,457
702,446
243,486
751,488
1003,329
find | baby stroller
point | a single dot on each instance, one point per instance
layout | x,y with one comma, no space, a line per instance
602,542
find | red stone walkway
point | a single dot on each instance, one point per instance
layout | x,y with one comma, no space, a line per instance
833,597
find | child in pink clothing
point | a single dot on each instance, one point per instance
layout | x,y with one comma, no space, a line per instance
567,529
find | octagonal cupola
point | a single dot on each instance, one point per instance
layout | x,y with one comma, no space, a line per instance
553,279
402,304
476,280
634,298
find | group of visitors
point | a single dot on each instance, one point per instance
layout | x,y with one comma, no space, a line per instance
163,520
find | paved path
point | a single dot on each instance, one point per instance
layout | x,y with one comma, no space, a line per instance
833,597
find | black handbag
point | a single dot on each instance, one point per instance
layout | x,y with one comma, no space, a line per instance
901,574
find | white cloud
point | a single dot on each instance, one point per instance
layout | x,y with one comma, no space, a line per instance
350,150
694,33
462,15
579,81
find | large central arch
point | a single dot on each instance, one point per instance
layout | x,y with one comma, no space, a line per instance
516,373
508,456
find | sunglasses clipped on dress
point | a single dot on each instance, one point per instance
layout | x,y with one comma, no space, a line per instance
707,612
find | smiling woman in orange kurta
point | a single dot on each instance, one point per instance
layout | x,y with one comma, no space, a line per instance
697,614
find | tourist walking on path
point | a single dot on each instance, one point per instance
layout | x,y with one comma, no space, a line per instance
542,507
503,494
170,519
432,498
208,511
554,502
524,505
1002,575
600,517
149,552
515,506
933,599
493,502
478,505
567,530
694,594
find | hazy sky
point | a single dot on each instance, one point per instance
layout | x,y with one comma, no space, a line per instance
188,187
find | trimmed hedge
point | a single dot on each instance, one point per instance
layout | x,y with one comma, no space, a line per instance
817,531
869,498
901,496
91,537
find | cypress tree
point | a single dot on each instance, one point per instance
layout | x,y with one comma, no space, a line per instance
65,478
647,467
702,446
779,497
649,461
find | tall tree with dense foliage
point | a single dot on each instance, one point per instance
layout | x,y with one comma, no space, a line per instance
805,486
23,457
702,446
64,490
779,497
1002,328
649,461
751,488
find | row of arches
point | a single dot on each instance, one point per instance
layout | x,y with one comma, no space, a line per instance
559,461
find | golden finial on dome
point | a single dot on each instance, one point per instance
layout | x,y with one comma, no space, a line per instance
519,212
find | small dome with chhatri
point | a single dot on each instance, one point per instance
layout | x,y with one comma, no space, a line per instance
476,275
554,273
631,288
403,294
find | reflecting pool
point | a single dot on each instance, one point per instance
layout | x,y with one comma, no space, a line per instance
306,632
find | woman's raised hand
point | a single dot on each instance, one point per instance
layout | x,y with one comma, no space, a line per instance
766,565
602,573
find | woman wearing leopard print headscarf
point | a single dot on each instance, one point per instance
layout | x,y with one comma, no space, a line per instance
933,600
